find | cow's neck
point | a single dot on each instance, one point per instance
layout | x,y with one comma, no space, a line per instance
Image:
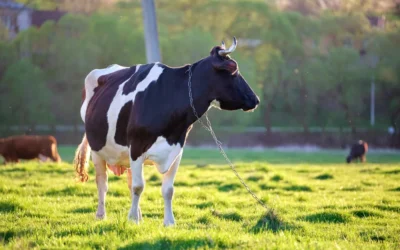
200,101
183,109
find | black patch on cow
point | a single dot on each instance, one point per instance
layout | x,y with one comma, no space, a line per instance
96,124
142,73
161,110
357,152
122,124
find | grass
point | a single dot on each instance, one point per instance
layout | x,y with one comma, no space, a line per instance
317,202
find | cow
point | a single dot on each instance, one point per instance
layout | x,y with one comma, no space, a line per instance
139,114
358,151
29,147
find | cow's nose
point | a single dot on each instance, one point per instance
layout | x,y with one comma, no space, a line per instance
251,103
257,101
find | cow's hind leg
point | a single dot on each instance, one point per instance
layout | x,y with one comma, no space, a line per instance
102,184
363,158
135,214
167,190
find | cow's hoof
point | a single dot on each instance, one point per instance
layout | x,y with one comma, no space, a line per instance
135,220
135,217
169,223
100,216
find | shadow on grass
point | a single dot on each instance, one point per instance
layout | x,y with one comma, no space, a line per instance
365,213
324,177
118,193
6,236
232,216
113,178
374,236
255,178
204,205
9,207
207,183
69,191
327,217
395,189
266,187
396,171
276,178
165,243
13,170
388,208
53,170
181,184
298,188
154,178
82,210
270,221
229,187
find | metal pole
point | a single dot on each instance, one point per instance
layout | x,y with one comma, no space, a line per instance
150,31
372,102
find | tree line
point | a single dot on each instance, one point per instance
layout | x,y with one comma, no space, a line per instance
310,68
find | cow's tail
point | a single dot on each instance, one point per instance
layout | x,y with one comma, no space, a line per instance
81,160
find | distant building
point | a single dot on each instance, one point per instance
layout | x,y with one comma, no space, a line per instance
17,17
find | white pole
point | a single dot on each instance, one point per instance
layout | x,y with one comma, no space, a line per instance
372,102
150,31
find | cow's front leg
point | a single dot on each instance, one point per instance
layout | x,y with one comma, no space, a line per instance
102,184
167,190
135,214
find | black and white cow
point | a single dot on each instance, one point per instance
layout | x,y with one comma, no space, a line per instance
358,151
142,113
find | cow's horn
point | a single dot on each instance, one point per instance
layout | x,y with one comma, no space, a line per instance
225,52
223,45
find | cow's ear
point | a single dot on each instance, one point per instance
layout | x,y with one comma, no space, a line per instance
228,65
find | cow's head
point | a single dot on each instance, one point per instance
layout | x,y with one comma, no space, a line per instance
228,89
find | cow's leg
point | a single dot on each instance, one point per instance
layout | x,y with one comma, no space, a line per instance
135,214
167,190
42,158
102,184
363,158
129,180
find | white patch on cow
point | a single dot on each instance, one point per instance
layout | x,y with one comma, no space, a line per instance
215,104
112,152
91,83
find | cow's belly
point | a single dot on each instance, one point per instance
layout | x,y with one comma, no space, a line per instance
115,154
160,154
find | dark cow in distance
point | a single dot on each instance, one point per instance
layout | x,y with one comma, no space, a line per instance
142,113
28,147
358,152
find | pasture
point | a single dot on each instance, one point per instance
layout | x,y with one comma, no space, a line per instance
319,202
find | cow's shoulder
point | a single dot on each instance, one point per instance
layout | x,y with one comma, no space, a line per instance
141,73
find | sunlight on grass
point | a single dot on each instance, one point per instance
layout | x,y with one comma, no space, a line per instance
313,206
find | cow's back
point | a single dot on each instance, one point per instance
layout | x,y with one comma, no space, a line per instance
96,119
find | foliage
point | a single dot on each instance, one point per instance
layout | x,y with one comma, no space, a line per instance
311,63
20,81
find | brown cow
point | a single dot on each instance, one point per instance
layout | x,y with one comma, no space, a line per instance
29,147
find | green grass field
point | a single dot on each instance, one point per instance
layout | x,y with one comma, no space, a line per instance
319,203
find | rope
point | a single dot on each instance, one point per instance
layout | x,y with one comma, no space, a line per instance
209,128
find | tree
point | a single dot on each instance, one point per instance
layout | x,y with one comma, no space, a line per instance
26,99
